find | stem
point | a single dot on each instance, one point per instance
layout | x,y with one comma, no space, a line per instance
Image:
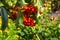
38,37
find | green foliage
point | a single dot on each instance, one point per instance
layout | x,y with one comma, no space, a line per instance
29,1
45,29
4,18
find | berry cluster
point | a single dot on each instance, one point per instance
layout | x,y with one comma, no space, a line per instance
13,8
30,8
29,22
15,12
29,11
14,15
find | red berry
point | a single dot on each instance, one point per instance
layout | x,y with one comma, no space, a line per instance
33,24
26,8
41,12
29,21
26,19
15,13
25,14
12,7
18,8
30,5
30,8
24,23
35,8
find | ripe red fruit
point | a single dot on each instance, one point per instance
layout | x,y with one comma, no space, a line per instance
14,15
26,7
12,7
30,19
41,12
25,19
18,8
29,22
25,14
24,23
30,8
33,24
35,8
30,5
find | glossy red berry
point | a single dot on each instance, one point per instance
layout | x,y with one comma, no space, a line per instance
18,8
29,21
25,14
33,24
26,7
35,8
41,12
32,10
12,7
25,19
14,15
30,5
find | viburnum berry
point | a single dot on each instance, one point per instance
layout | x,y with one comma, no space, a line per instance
30,8
41,12
25,19
25,23
26,7
33,24
18,8
31,5
29,21
12,7
25,14
35,8
14,15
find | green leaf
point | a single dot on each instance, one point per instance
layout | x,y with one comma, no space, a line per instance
29,1
19,19
4,18
54,38
20,3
